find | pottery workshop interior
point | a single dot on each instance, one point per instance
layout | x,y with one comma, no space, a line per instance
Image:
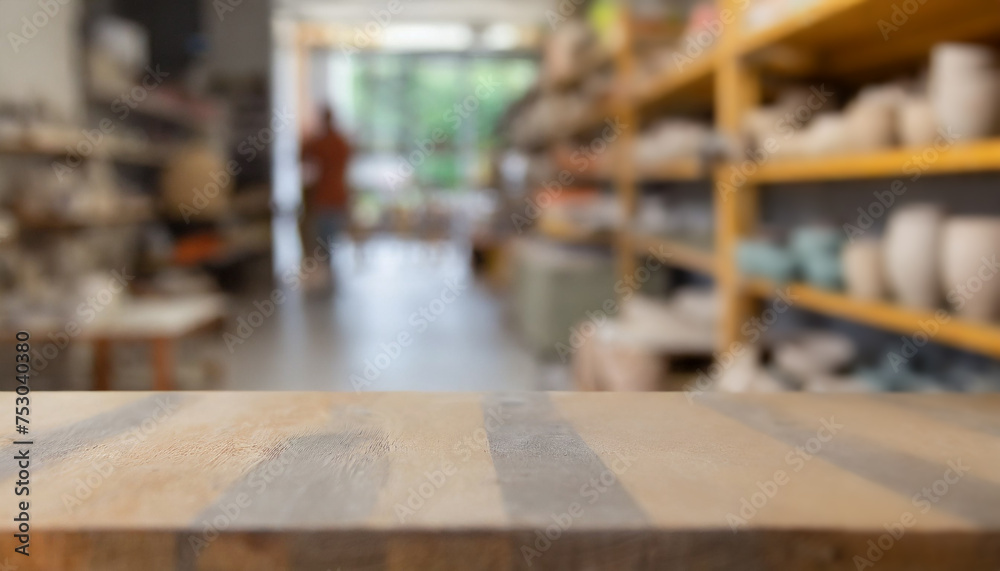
544,240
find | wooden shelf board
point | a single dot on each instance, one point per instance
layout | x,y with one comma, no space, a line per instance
569,233
797,24
694,81
57,224
679,254
981,338
118,150
977,156
844,38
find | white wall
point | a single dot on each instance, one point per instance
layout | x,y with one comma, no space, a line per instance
47,66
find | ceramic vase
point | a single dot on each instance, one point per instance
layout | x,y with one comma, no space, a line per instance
964,89
969,246
863,270
910,253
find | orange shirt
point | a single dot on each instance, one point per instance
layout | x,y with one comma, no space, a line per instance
331,155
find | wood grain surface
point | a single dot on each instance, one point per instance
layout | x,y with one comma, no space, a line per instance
400,481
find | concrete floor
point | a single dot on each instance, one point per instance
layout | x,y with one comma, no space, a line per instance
459,339
387,290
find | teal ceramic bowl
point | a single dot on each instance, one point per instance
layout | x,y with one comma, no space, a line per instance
824,272
758,258
810,241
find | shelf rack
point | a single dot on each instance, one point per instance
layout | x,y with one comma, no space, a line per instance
120,150
678,252
832,39
945,328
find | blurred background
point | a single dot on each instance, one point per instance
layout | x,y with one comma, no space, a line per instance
745,195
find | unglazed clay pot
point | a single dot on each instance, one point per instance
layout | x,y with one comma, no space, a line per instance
969,246
863,269
911,248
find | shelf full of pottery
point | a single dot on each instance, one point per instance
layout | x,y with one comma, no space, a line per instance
927,266
673,149
942,116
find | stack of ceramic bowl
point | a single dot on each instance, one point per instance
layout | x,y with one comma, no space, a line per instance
817,253
964,90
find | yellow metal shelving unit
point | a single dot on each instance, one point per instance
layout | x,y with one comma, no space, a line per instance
859,40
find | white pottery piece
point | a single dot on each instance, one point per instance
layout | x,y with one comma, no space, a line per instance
871,124
968,106
864,274
964,89
826,135
910,252
969,246
917,122
958,56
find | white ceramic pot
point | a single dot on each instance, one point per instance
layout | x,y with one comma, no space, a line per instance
964,89
870,125
864,273
969,245
968,105
916,122
910,252
956,56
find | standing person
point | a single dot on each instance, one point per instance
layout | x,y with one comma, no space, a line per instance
326,199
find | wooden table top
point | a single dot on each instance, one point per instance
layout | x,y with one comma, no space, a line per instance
476,481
